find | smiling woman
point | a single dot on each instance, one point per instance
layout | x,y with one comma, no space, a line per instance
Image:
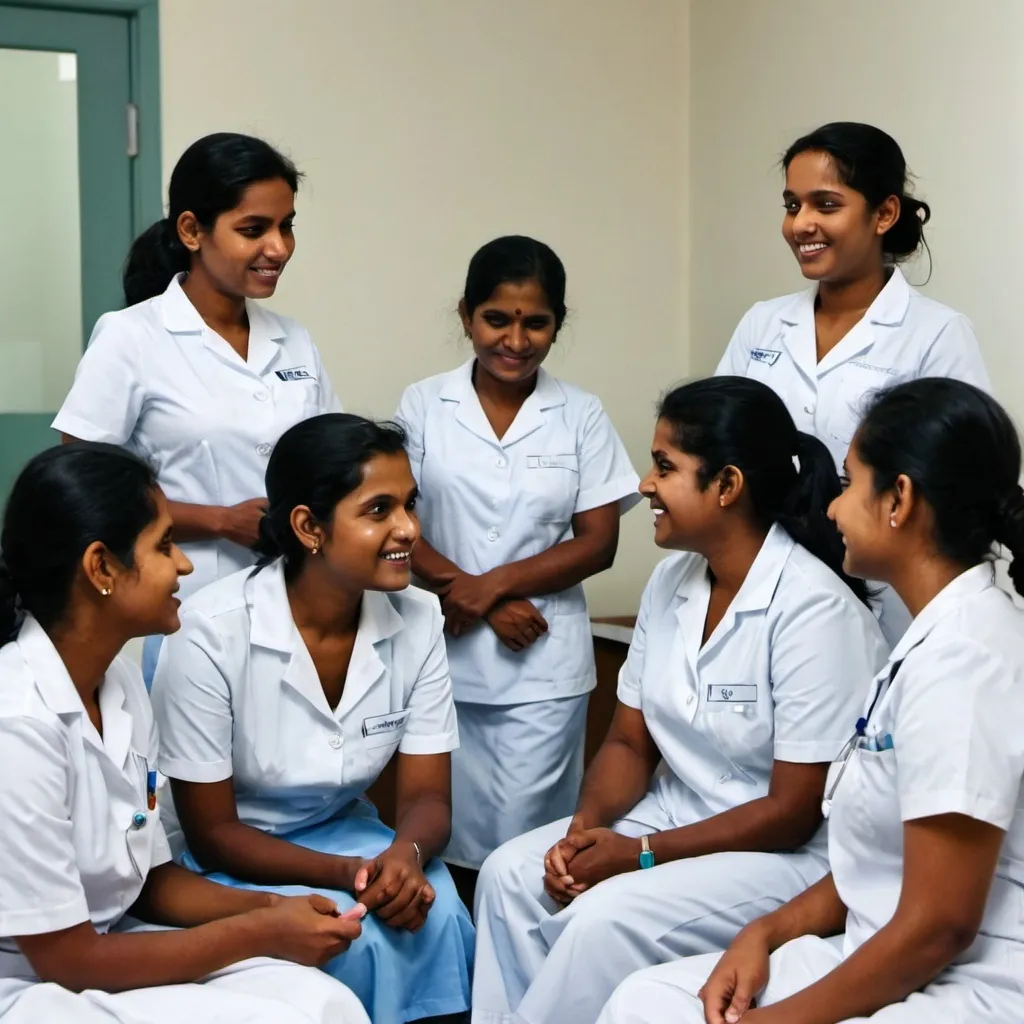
194,375
288,690
850,220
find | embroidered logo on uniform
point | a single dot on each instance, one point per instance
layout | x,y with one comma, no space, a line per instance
295,373
768,356
384,723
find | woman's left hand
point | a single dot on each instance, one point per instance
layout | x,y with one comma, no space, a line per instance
393,887
466,599
605,855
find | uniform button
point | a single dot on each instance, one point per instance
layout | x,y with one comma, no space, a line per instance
494,502
545,462
726,777
501,462
335,740
260,396
264,449
493,533
690,699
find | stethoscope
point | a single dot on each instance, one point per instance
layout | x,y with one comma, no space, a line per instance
854,741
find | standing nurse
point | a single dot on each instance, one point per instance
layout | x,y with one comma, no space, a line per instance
849,222
194,375
523,481
920,920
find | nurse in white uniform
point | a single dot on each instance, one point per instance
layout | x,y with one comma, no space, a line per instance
850,222
87,563
702,809
524,480
195,376
288,690
920,920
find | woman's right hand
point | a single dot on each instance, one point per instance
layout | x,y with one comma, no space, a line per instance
738,977
241,522
308,930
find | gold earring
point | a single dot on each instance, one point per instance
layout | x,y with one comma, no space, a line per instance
315,549
105,591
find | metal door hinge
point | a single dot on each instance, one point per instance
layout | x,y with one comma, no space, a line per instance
132,115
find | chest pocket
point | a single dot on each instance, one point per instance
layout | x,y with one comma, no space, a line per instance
857,383
740,719
551,485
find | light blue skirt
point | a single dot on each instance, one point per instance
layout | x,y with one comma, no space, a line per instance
397,975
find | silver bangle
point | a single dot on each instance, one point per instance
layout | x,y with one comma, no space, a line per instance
419,855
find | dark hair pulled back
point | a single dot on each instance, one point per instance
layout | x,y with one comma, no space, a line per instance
65,499
316,463
207,180
959,448
871,162
790,476
515,259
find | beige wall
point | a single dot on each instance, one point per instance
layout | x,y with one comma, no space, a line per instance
426,128
945,77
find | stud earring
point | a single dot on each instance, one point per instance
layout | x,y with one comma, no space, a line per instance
105,591
892,521
315,549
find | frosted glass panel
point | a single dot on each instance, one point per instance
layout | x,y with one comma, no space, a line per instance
40,247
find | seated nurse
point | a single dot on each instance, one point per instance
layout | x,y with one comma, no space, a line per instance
702,809
290,687
97,924
921,920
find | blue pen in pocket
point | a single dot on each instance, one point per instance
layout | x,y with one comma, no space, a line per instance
151,790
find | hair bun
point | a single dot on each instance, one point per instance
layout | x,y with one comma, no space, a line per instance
918,207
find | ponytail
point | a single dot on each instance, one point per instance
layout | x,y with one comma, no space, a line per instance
11,612
804,512
1009,532
154,259
790,477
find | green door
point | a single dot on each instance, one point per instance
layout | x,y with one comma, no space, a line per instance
67,186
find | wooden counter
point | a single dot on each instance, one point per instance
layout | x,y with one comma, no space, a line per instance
611,641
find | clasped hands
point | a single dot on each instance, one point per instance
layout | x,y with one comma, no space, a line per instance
467,599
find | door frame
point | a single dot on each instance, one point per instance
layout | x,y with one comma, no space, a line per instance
144,56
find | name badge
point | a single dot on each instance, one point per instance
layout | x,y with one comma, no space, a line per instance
768,356
551,462
294,373
383,724
737,693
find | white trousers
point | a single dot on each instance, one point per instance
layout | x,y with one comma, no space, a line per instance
261,991
518,766
539,965
668,994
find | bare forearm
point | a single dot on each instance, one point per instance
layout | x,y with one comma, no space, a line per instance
118,962
615,782
182,899
196,522
898,960
554,570
252,855
431,567
759,825
426,821
816,911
